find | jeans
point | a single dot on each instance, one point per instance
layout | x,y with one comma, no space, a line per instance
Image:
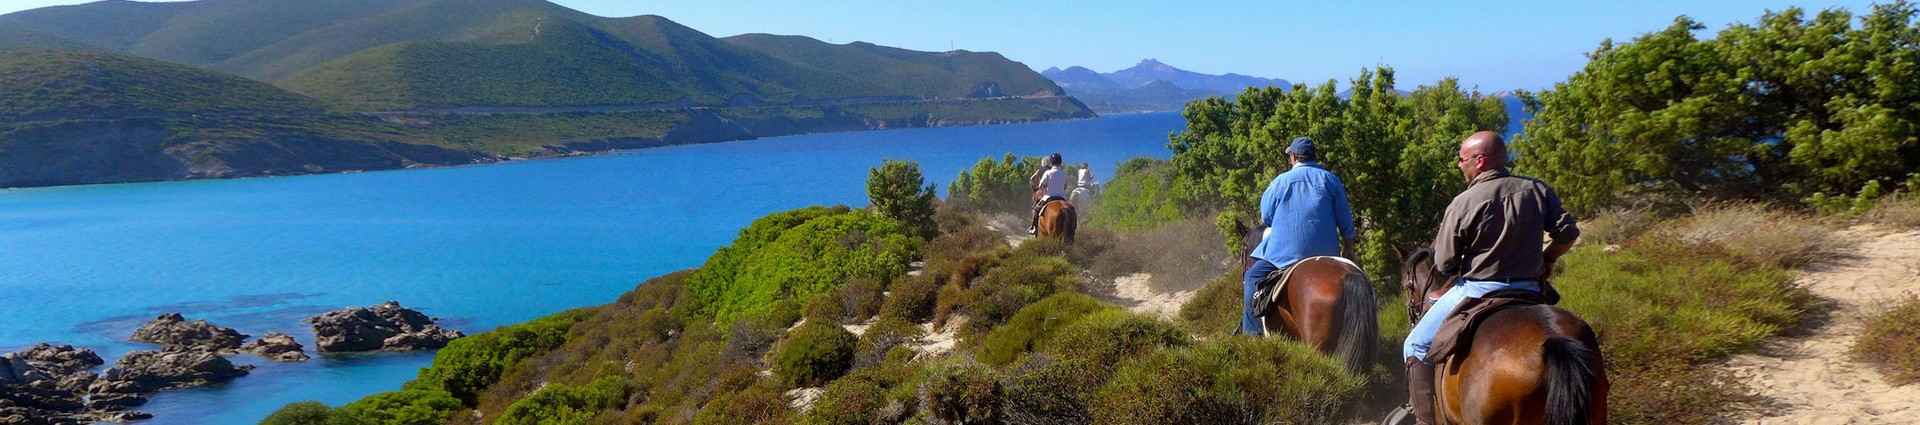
1249,323
1421,338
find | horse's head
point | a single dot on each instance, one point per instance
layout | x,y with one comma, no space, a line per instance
1419,278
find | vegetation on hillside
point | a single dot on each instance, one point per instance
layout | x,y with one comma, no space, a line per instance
1791,106
43,83
1892,341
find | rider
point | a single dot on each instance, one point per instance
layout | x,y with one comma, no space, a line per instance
1086,188
1050,181
1306,214
1490,237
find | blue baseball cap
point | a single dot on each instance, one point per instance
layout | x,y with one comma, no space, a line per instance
1301,146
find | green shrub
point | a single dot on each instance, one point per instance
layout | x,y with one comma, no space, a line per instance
759,404
1140,196
563,404
1892,342
847,402
302,413
995,186
1036,323
881,338
814,354
1014,282
894,189
1664,299
411,406
861,298
911,299
961,391
1215,309
468,365
1042,391
798,254
1102,340
1228,380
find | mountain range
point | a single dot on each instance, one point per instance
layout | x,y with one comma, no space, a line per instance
425,82
1150,86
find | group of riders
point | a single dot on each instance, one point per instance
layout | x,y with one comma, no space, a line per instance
1490,238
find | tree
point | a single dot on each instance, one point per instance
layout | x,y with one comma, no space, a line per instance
895,190
1787,107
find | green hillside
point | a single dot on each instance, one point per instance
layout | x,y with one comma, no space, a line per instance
45,83
898,71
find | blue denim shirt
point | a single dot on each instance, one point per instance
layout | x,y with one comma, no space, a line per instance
1306,212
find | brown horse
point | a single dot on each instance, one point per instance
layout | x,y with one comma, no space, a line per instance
1328,304
1058,220
1531,364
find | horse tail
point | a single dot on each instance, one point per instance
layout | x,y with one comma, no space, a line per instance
1359,327
1572,369
1073,220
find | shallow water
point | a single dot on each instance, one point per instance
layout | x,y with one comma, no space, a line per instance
478,247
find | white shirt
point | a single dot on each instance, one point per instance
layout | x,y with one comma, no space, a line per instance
1086,178
1054,182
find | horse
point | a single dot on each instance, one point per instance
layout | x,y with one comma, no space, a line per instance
1058,220
1527,364
1328,304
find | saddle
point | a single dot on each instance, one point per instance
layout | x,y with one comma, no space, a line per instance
1456,332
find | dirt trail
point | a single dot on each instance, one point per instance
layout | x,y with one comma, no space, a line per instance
1807,375
1131,291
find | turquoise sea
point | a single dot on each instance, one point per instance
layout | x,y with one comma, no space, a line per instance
478,247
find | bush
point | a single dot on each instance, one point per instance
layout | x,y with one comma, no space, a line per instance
1104,339
1036,323
798,254
1043,391
894,189
1014,282
1215,309
995,186
468,365
1229,380
302,413
1892,342
564,404
1788,240
847,402
814,354
910,299
961,392
759,404
411,406
861,298
881,338
1139,197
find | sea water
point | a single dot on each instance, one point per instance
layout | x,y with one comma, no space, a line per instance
477,247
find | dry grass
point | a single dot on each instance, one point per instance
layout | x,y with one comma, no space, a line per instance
1759,235
1901,211
1618,226
1892,342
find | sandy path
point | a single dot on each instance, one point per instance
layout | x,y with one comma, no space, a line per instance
1135,294
1807,376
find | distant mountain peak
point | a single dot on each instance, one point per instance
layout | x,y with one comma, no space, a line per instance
1152,64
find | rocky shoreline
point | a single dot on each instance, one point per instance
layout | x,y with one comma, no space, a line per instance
56,385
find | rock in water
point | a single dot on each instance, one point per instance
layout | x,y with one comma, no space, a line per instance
172,330
148,371
385,327
277,346
47,384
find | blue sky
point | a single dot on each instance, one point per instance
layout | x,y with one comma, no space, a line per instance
1495,45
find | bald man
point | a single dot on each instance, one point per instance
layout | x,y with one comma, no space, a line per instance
1490,237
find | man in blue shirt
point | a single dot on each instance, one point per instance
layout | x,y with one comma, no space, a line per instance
1305,213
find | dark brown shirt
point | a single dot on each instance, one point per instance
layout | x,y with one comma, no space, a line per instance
1493,230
